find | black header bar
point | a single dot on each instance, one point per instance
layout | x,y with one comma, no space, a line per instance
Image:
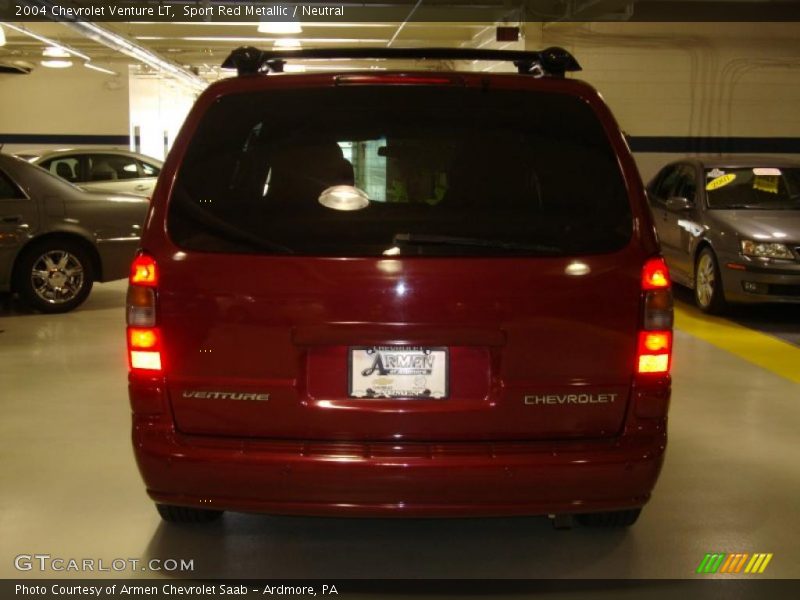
398,589
398,11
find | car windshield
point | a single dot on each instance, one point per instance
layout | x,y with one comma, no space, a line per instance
760,188
400,170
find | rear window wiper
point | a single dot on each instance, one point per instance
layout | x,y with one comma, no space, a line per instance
422,239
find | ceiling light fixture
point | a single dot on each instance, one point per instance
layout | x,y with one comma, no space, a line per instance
99,69
56,57
57,63
287,44
260,40
55,52
280,27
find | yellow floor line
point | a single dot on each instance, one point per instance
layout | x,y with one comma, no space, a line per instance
758,348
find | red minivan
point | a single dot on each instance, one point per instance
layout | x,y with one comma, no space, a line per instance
400,293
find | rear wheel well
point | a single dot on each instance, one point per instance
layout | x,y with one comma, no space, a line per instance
97,266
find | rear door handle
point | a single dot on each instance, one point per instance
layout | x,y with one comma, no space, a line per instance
12,219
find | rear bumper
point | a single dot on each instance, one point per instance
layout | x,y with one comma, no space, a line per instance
386,479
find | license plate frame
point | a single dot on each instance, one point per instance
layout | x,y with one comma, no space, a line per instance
403,372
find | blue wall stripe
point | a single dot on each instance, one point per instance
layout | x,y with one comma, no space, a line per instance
675,144
66,138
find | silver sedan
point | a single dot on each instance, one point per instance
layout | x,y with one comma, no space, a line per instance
56,240
730,228
103,170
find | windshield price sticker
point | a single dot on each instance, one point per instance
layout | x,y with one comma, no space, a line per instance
766,183
398,372
719,182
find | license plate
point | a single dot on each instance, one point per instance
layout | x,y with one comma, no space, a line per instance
398,372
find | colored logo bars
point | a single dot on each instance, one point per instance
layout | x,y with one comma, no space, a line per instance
720,562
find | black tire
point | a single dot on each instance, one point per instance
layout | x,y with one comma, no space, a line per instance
709,295
77,275
617,518
184,514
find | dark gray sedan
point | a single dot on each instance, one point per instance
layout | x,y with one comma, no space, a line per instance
730,228
57,240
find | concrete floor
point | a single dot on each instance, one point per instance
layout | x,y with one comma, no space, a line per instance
69,486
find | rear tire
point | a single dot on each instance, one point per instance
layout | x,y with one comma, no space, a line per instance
617,518
709,295
184,514
54,276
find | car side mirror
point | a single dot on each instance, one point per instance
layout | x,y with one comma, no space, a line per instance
677,203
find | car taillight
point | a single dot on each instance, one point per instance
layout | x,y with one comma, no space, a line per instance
655,275
144,338
143,271
654,346
144,348
654,351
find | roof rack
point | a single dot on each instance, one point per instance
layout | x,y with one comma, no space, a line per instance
551,62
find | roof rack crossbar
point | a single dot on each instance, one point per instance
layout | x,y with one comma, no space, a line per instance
551,62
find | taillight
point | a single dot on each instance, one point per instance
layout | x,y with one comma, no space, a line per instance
654,351
654,346
144,348
141,305
144,338
144,271
655,275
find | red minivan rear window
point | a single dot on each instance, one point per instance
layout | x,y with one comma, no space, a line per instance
400,170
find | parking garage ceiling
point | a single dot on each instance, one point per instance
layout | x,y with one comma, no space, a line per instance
200,46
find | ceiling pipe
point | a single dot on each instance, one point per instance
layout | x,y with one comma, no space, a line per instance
47,41
403,24
117,42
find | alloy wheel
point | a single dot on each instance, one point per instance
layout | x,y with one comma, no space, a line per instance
57,276
705,280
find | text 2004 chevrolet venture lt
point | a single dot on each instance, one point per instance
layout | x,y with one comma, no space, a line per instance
400,294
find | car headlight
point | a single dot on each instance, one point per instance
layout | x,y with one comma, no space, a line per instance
766,250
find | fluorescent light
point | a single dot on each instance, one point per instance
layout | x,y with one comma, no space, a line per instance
56,64
280,27
46,40
100,69
287,44
2,37
58,58
294,68
55,52
260,40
